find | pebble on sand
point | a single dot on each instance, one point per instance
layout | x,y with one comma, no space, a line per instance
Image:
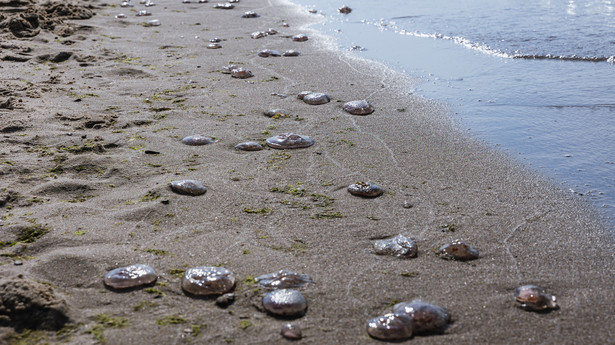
277,113
285,302
130,277
360,107
457,250
205,280
399,246
289,141
188,187
366,190
344,9
534,298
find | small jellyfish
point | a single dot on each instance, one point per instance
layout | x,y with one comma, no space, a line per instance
300,38
203,281
268,52
202,1
149,4
391,326
271,31
284,279
289,141
258,34
188,187
143,13
250,14
533,298
277,113
233,1
126,4
228,69
284,25
291,52
197,140
225,6
241,73
215,40
301,95
186,1
427,318
121,16
358,107
457,250
130,277
285,302
291,331
366,190
225,300
214,46
153,22
400,246
316,98
249,146
344,9
313,10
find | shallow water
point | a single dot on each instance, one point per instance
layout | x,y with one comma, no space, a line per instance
535,79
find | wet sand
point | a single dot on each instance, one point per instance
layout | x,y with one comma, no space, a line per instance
76,160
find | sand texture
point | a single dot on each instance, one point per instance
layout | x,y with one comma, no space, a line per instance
92,114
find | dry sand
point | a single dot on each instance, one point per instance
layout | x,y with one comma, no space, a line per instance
73,161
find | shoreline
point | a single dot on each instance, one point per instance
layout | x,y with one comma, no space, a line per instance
145,88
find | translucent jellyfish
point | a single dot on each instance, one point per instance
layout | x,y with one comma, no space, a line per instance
250,14
301,95
233,1
258,34
153,22
457,250
249,146
143,13
130,277
285,302
228,69
188,187
289,141
225,300
284,25
202,1
400,246
358,107
126,4
203,281
392,326
197,140
149,4
225,6
241,73
366,190
214,46
300,38
316,98
291,52
284,279
121,16
215,40
271,31
268,53
533,298
344,10
277,113
291,331
427,318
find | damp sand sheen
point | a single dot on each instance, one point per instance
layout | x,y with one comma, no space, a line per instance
157,188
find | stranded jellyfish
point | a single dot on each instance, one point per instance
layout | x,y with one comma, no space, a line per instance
188,187
291,331
289,141
153,22
249,146
457,250
143,13
400,246
344,9
392,326
250,14
427,318
258,34
271,31
300,38
214,46
120,16
284,279
130,277
225,6
241,73
301,95
358,107
366,190
291,52
197,140
268,52
285,302
215,40
277,113
316,98
228,69
533,298
203,281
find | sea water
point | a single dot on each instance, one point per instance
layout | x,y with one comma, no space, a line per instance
534,78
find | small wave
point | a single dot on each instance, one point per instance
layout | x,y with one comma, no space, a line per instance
609,59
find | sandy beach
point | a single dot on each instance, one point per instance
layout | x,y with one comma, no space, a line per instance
92,114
